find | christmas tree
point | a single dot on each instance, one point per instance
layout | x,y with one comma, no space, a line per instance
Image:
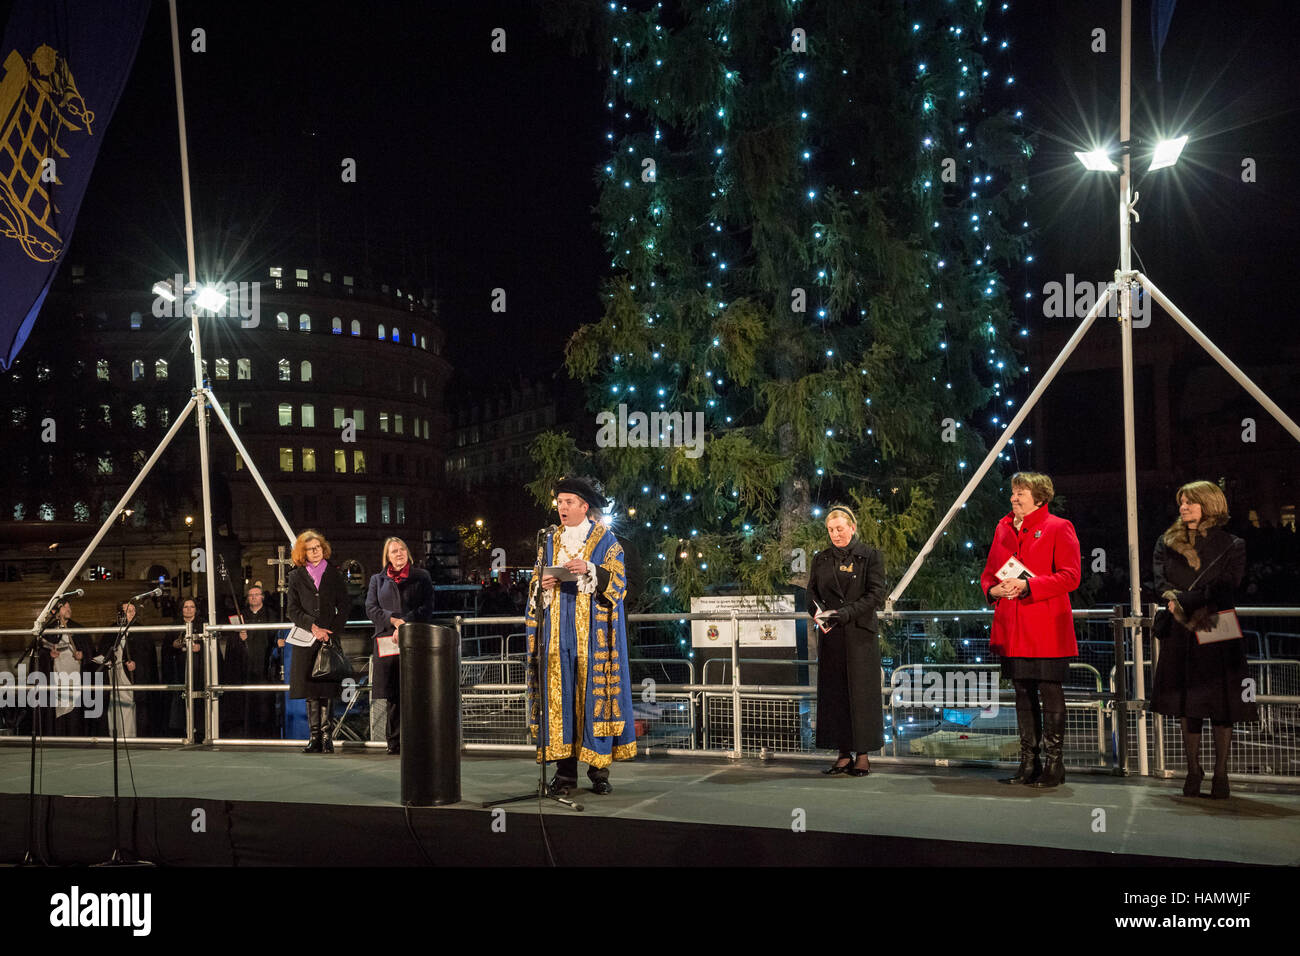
806,206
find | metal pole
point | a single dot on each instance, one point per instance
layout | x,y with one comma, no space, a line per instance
1242,379
735,685
189,684
117,509
1124,279
1007,433
1121,694
248,461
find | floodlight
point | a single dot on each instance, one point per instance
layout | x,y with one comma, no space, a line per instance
1097,160
1167,152
210,300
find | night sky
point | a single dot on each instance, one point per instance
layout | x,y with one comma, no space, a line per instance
476,170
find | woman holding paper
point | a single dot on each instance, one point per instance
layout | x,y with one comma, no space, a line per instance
1201,671
1032,567
846,586
319,604
399,594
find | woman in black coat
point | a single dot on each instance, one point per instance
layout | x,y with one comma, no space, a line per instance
399,594
1198,568
319,603
846,587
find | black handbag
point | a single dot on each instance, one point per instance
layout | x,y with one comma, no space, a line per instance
332,665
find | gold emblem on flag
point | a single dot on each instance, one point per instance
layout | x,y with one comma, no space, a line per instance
38,100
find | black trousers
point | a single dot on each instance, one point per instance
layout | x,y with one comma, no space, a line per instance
566,771
393,722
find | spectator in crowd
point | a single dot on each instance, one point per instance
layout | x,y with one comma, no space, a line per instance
399,594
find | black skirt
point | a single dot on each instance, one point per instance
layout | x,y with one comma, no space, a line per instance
1055,670
301,686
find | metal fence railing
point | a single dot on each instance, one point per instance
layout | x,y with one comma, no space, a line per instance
942,700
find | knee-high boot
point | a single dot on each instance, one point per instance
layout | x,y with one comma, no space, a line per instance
314,722
1030,766
1053,750
326,725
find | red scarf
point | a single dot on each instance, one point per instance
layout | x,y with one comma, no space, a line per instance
402,575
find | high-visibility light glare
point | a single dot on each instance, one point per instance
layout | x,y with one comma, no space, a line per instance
1167,152
164,289
1097,160
210,300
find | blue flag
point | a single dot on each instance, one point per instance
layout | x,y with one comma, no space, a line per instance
62,69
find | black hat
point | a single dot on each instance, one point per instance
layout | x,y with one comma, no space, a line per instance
584,488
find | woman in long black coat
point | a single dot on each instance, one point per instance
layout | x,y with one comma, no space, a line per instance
319,603
1198,568
846,587
399,594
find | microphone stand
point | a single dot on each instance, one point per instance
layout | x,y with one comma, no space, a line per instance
115,719
540,794
33,709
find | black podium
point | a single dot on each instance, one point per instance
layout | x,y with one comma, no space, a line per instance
430,714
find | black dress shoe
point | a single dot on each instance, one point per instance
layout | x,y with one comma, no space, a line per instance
395,749
559,788
1219,787
854,771
602,787
1192,785
836,769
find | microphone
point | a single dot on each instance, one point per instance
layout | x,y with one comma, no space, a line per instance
70,594
147,594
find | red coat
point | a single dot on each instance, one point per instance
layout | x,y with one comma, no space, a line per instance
1037,624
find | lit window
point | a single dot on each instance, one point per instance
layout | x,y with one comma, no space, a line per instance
360,508
136,320
244,369
286,374
397,424
286,414
347,280
383,421
423,344
385,510
105,468
137,416
401,511
339,415
105,414
340,461
286,459
426,428
45,512
308,416
80,511
282,321
359,416
397,335
300,278
245,414
304,323
358,462
223,369
160,370
309,459
137,370
306,371
239,462
163,416
356,326
336,326
381,331
413,340
101,369
277,272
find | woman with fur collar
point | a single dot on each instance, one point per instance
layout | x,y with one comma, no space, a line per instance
1198,568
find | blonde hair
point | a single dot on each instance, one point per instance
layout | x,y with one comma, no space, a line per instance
383,557
1038,485
299,555
844,511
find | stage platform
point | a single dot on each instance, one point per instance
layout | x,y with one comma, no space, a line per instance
277,807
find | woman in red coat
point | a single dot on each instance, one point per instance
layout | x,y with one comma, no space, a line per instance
1033,629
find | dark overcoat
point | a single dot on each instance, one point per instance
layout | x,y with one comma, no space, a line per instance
327,608
849,708
1193,679
412,601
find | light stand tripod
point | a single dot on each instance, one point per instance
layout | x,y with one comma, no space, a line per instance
537,609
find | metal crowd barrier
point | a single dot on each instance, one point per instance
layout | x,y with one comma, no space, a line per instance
1105,728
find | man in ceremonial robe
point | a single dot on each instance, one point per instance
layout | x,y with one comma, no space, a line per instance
580,698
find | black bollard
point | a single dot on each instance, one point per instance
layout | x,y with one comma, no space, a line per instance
430,714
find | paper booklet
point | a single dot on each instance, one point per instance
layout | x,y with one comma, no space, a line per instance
1014,569
387,646
1228,629
560,573
820,626
300,638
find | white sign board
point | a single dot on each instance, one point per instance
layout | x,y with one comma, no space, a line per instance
717,633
